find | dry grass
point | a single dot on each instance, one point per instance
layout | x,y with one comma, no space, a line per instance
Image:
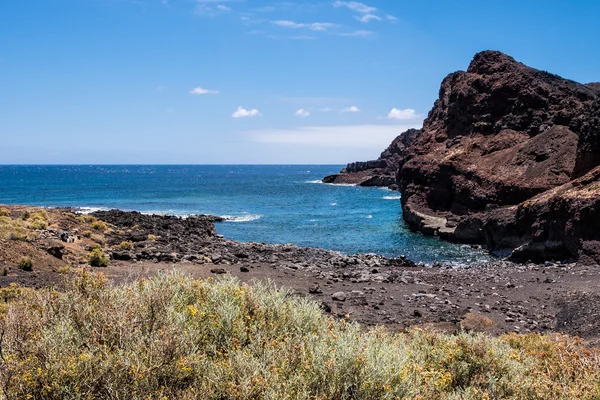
14,227
178,338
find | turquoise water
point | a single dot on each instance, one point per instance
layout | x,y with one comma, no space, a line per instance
272,204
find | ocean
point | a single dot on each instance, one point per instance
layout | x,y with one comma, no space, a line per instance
263,203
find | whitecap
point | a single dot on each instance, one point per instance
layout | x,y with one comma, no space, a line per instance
89,210
369,216
331,184
333,204
391,197
241,218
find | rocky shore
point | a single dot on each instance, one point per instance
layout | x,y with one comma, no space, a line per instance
496,297
508,158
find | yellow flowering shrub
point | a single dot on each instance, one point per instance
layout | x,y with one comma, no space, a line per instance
173,337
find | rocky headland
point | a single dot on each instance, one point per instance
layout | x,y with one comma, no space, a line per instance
380,172
508,158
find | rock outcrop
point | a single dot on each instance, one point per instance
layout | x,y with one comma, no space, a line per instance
506,159
380,172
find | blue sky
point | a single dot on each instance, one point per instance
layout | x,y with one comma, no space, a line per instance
217,81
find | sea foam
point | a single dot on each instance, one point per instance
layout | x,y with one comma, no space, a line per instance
241,218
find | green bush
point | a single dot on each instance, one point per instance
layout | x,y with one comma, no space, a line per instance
39,220
99,225
178,338
25,264
4,212
126,245
96,258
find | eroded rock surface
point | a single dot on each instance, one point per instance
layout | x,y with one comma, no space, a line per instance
380,172
506,157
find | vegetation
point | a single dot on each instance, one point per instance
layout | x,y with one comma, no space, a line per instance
20,228
25,264
99,225
39,220
126,245
96,258
177,338
153,238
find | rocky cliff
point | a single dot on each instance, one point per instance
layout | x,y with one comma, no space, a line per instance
380,172
507,158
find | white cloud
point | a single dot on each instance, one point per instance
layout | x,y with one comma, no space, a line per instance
367,137
359,33
351,109
302,113
355,6
398,114
315,26
211,8
368,17
241,112
200,90
391,18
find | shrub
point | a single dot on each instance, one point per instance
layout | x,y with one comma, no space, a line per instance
174,337
39,220
87,233
38,224
25,215
153,238
126,245
96,258
4,212
86,218
99,225
12,229
25,264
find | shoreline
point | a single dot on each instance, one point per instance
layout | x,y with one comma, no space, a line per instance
369,289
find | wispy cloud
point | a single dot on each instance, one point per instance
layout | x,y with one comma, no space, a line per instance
355,6
373,137
315,26
199,90
368,17
359,33
351,109
302,113
406,114
241,112
211,8
294,37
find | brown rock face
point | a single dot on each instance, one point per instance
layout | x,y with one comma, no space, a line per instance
380,172
505,158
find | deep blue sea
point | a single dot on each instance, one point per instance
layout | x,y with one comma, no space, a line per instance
270,203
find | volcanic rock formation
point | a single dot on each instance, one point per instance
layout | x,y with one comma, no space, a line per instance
509,157
380,172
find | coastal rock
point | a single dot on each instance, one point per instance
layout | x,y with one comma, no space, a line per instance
380,172
506,159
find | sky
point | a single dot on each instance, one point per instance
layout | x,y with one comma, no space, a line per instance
254,81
